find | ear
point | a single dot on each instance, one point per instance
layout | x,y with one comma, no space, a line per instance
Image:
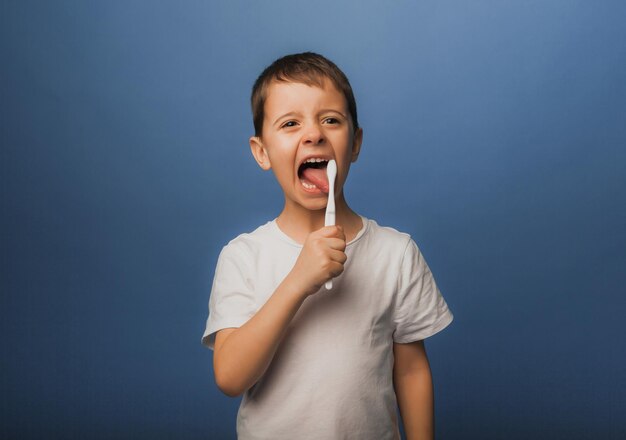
260,153
356,144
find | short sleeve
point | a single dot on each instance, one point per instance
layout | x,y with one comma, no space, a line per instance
420,310
231,303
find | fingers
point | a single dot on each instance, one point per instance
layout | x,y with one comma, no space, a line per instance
335,231
333,267
323,256
336,243
338,256
334,237
336,269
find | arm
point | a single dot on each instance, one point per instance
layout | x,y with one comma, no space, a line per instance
414,390
241,355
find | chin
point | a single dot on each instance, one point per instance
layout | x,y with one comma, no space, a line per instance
314,205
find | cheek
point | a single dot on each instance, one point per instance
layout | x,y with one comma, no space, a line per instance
282,162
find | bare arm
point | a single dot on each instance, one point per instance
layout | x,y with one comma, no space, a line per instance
414,390
242,354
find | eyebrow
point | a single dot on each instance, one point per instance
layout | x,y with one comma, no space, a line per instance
326,110
332,110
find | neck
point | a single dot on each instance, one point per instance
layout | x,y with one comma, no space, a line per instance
298,222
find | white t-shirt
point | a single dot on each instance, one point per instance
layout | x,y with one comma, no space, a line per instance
332,374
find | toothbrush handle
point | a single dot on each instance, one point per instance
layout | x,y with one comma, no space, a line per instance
329,221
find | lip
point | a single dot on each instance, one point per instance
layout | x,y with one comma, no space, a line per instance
315,191
326,157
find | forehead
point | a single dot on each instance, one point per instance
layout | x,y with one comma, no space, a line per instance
294,96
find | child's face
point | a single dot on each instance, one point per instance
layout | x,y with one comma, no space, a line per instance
303,122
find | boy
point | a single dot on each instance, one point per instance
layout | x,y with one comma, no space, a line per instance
315,363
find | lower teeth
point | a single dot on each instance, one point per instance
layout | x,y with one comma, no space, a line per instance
306,185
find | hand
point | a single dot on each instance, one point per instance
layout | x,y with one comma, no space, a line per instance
322,258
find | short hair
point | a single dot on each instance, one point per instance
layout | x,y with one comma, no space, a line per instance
307,68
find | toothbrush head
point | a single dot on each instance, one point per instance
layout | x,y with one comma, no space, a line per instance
331,171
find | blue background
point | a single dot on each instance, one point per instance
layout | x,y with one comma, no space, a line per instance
495,133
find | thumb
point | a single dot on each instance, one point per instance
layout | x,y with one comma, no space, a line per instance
330,231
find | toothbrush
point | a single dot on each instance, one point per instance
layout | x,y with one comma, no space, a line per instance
331,171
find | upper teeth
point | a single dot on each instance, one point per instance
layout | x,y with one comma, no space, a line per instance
314,159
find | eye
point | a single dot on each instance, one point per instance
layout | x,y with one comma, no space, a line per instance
288,124
332,121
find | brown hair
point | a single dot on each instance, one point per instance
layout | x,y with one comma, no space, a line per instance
308,68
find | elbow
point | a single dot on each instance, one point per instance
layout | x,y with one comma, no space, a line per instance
228,378
227,385
232,394
228,389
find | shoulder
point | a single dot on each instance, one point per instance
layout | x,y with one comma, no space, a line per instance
247,244
389,237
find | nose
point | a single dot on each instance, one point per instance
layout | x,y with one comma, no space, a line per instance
313,135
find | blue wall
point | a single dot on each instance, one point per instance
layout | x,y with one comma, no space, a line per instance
495,133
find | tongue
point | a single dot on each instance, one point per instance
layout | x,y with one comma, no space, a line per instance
317,177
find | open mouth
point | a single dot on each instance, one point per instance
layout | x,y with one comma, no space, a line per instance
312,174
